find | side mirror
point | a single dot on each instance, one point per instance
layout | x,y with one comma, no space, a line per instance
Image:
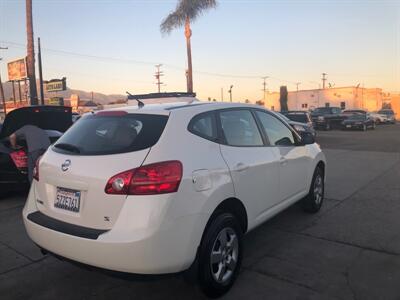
307,138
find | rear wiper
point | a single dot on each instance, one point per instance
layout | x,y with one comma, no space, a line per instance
68,147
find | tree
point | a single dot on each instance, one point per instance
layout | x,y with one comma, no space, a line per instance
31,54
284,98
186,12
260,102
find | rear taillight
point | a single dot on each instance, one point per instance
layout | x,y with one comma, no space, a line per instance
20,159
158,178
36,169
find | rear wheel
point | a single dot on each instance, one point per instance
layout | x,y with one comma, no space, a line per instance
220,255
313,201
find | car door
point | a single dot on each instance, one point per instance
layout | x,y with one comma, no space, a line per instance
254,167
293,157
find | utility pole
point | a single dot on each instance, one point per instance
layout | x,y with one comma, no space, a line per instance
31,54
264,86
324,79
40,73
1,87
230,92
222,94
297,92
158,75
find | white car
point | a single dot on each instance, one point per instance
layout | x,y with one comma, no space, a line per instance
379,118
171,187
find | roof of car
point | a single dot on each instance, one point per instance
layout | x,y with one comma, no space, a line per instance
166,108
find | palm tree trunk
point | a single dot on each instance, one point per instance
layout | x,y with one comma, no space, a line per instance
31,54
188,34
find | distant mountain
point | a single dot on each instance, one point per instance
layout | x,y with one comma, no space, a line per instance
83,95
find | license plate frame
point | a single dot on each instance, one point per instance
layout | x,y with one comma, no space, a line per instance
68,199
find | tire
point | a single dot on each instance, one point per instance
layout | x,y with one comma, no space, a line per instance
216,278
313,201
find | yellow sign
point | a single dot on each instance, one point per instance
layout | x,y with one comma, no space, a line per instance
17,69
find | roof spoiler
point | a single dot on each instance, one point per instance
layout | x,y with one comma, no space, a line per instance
140,97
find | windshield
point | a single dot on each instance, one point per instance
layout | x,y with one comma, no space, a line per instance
386,112
101,135
357,117
322,110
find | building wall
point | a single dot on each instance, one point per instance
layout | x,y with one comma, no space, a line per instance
347,97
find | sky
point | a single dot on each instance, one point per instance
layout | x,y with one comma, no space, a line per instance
112,46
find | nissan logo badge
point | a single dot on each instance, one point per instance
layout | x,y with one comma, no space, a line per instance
65,165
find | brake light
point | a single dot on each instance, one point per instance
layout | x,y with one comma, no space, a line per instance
35,172
158,178
20,159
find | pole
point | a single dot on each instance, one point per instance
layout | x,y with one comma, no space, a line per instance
264,86
158,75
324,79
1,87
2,96
19,91
230,92
31,54
40,73
13,88
297,92
222,94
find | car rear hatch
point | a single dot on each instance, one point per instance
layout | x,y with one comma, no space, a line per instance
57,118
74,173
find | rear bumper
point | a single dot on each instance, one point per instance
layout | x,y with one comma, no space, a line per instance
169,248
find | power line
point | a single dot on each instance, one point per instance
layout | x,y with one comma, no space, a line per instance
131,61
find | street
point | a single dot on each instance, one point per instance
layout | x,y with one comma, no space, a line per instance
350,250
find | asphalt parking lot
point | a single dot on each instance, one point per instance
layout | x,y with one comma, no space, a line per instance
350,250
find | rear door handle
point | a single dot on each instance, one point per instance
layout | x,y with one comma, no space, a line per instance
241,167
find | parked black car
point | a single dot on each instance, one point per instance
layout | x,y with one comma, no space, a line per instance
300,121
13,163
359,121
327,118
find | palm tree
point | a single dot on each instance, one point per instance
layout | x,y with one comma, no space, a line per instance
186,12
31,54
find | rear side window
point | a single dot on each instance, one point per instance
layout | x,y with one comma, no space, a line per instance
102,134
204,125
240,128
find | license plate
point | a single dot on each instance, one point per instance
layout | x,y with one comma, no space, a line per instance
348,126
68,199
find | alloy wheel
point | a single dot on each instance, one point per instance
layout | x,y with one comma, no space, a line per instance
224,255
318,189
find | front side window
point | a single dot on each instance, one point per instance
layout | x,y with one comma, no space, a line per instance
278,133
240,128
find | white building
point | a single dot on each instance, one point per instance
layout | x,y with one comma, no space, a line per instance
351,97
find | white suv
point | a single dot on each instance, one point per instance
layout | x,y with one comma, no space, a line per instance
171,187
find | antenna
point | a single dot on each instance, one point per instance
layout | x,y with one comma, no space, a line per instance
131,97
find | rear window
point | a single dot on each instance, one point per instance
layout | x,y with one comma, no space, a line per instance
302,118
102,134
